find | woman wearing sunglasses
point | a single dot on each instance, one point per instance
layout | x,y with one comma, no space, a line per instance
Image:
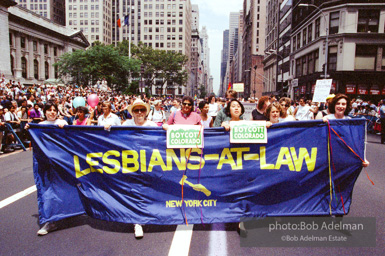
285,115
139,111
185,115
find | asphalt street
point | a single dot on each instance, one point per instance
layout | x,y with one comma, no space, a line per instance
86,236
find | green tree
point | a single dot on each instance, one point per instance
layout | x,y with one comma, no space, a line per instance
98,62
161,64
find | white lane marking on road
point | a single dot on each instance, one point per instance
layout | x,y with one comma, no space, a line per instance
218,240
180,245
17,196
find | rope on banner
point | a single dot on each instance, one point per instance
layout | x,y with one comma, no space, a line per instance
353,153
184,173
334,168
330,172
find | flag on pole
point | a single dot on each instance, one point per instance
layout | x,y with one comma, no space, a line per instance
229,86
118,22
126,20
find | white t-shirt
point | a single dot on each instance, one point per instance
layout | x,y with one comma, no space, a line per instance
56,122
156,116
333,117
206,124
213,109
10,116
286,119
111,119
303,113
131,122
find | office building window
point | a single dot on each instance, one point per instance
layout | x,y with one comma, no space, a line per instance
310,33
317,28
304,36
304,66
36,69
22,42
365,57
332,58
368,21
46,70
298,67
334,22
24,67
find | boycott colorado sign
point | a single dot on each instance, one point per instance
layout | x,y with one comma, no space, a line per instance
248,132
185,136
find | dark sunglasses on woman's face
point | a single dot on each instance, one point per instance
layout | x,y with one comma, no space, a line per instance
137,110
285,105
187,104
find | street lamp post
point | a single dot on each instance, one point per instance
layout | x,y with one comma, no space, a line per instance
327,36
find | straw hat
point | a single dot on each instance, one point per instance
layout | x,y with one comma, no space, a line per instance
137,103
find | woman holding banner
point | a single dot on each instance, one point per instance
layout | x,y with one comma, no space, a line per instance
185,115
273,112
51,113
339,109
233,112
139,110
108,118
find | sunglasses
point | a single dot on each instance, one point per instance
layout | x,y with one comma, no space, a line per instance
285,105
137,110
186,104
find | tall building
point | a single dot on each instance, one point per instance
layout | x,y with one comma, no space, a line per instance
233,33
232,48
345,39
284,45
253,47
92,17
237,78
50,9
205,57
31,44
196,66
131,10
224,58
271,45
167,26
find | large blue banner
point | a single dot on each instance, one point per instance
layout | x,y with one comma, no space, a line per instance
128,175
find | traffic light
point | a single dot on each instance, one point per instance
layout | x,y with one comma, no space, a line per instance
323,68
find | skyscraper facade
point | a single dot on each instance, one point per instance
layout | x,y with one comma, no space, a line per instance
51,9
92,17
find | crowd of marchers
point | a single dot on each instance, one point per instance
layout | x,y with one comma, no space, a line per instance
68,105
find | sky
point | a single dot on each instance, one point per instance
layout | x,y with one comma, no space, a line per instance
215,15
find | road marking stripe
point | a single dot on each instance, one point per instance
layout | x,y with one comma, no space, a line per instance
17,196
218,240
180,245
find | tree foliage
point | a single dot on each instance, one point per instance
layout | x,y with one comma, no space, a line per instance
161,64
98,62
113,63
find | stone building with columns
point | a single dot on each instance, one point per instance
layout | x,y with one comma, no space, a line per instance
31,44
